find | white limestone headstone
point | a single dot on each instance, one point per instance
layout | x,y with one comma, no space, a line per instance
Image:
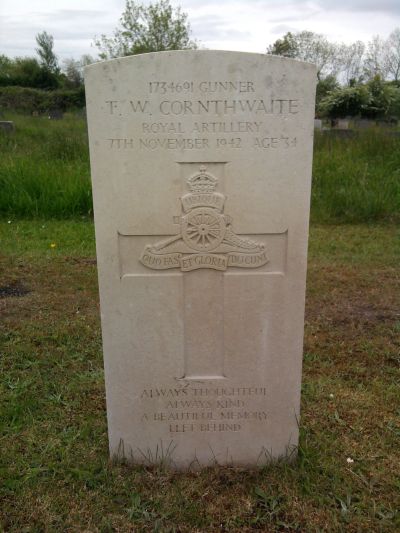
201,169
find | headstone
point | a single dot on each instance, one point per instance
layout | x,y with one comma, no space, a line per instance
201,169
365,123
340,134
56,114
388,123
342,124
7,126
317,124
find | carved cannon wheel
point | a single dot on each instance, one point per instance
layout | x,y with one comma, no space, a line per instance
203,229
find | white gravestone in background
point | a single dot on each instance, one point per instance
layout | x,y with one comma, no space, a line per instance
201,169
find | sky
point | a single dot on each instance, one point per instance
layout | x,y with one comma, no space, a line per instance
248,26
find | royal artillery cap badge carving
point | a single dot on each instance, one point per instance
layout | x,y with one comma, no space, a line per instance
206,238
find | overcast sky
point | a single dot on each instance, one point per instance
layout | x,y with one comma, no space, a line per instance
248,26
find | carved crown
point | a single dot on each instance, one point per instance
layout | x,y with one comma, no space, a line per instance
202,181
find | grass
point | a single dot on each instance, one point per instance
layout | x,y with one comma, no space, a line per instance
356,179
44,168
55,471
44,172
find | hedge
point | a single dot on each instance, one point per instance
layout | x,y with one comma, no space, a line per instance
27,100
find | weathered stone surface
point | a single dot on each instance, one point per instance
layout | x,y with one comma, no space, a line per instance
201,168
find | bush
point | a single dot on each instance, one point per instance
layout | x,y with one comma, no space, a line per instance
347,101
375,99
26,100
26,72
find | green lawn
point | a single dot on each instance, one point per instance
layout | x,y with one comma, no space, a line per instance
55,471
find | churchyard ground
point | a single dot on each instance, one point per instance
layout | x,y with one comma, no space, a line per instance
55,471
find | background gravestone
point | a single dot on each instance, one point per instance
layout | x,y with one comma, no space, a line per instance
7,126
365,123
201,169
56,114
342,124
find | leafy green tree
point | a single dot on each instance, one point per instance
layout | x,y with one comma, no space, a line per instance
394,104
286,47
5,71
26,72
153,28
375,99
345,101
45,51
381,97
325,86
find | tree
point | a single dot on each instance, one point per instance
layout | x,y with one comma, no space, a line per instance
326,86
73,70
26,72
6,73
392,55
153,28
351,62
87,59
308,46
286,47
345,101
374,99
374,63
382,95
48,59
